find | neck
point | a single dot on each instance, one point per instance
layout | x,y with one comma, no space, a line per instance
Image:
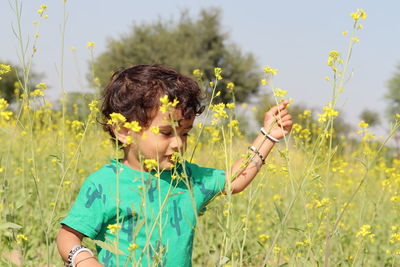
132,161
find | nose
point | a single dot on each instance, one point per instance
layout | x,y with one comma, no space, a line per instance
177,143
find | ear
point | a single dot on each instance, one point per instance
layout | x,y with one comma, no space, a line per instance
121,133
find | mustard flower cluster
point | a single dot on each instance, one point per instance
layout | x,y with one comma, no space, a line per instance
271,71
219,112
358,14
133,126
166,105
217,73
113,228
198,74
365,231
150,164
329,112
4,114
90,45
4,69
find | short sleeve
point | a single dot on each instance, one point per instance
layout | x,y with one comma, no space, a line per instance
87,213
209,182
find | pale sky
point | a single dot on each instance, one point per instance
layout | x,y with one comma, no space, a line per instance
293,36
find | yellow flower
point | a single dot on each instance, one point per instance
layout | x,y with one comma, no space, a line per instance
264,81
269,70
279,92
113,228
234,124
166,105
150,164
93,106
116,118
230,105
4,69
155,129
176,157
230,86
3,103
36,92
42,86
197,73
21,237
133,125
363,124
90,45
395,199
334,54
263,238
217,73
133,246
360,13
6,115
219,112
365,231
77,125
329,112
333,57
276,249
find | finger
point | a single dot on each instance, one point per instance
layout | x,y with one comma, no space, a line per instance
276,110
286,117
287,120
282,113
287,123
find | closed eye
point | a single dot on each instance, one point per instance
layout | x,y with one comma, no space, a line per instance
166,133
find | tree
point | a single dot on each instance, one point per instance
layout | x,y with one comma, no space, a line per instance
185,46
9,82
393,93
370,117
393,97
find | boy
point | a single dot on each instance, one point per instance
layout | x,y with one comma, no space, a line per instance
148,211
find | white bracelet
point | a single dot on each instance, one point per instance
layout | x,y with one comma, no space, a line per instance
82,249
273,139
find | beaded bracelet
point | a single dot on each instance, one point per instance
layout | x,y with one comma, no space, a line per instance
71,255
255,150
273,139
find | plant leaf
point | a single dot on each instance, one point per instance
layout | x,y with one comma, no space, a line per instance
110,247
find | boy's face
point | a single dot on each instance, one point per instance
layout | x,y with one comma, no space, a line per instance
160,146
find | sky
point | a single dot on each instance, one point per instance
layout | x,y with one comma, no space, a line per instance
294,37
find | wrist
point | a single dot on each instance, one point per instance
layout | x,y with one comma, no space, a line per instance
268,136
90,262
82,256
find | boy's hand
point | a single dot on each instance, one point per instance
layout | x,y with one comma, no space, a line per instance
277,121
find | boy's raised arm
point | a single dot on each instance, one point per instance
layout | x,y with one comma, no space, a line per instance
277,124
67,239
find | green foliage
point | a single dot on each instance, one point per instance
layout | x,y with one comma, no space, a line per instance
186,45
370,117
9,83
77,105
393,93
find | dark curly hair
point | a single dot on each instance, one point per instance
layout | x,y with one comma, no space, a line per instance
135,93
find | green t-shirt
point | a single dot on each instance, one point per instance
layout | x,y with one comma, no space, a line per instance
156,214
